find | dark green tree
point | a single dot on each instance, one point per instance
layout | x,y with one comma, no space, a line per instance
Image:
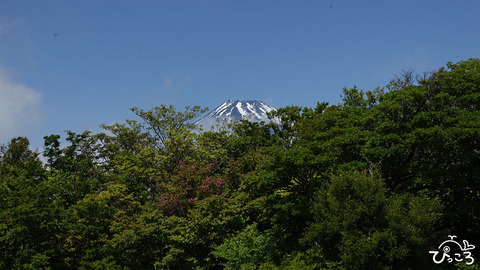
360,225
29,213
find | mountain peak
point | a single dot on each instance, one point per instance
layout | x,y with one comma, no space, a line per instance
234,110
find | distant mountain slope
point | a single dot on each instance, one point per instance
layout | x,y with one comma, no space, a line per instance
233,110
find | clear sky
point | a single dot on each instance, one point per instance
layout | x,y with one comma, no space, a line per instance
73,65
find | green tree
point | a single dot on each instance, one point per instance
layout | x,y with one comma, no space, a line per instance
360,225
91,226
29,213
172,130
247,250
74,170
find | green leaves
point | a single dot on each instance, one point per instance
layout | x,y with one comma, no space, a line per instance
246,250
165,122
28,211
92,221
368,183
358,223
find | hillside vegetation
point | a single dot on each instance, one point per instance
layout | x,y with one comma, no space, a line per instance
374,182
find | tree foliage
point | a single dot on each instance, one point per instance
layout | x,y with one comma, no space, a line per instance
373,182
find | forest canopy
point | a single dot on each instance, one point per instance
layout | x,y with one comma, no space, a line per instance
375,182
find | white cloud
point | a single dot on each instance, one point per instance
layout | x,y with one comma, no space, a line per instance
20,108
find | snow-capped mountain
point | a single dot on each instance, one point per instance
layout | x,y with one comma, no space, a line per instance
233,110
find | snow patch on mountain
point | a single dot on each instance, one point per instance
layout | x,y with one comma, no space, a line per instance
234,110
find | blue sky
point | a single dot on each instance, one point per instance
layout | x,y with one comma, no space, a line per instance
73,65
